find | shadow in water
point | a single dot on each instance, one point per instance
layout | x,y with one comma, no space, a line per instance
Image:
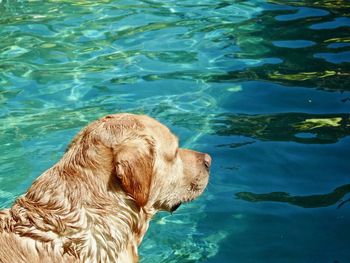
308,201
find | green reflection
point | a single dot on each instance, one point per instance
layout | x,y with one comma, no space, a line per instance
328,128
255,36
329,4
308,201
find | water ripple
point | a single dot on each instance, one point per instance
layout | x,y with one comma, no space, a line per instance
262,85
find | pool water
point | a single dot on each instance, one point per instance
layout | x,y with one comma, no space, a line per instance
263,86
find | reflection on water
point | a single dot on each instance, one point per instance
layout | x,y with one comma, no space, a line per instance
301,63
310,201
327,4
262,85
301,128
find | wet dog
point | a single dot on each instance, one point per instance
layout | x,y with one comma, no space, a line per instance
95,204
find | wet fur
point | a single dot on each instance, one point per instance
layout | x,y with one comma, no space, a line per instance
95,204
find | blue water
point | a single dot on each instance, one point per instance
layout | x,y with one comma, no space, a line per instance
263,86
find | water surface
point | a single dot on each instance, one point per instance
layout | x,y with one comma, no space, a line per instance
263,86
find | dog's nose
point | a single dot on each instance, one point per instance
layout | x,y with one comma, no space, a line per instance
207,160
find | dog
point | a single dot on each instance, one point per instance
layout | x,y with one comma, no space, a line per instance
95,204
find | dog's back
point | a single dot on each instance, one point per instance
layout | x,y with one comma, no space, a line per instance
17,249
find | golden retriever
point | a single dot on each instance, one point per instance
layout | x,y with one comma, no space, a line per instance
95,204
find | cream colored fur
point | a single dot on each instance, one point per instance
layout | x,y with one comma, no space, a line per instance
95,204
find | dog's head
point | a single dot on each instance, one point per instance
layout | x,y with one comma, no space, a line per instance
145,158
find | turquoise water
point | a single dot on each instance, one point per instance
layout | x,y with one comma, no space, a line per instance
263,86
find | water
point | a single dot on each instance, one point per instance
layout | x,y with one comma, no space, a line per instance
263,86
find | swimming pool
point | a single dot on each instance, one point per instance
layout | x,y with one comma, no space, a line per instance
263,86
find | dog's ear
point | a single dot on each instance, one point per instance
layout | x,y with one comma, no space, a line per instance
134,161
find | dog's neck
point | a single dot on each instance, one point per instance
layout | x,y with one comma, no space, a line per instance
88,222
